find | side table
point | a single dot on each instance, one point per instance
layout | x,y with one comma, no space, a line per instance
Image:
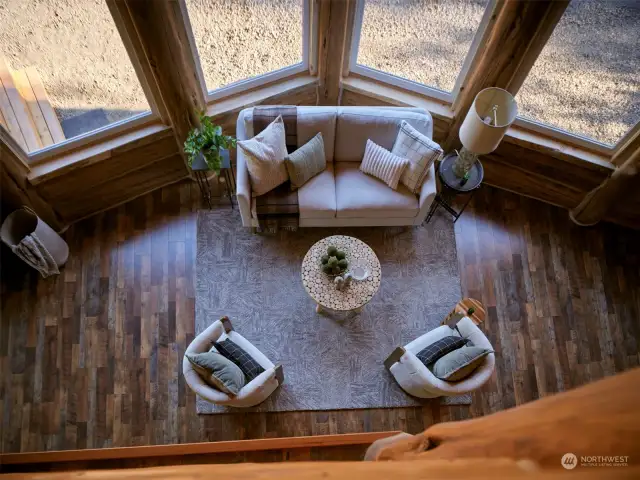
200,169
452,186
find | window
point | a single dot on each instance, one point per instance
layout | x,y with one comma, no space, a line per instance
240,40
586,80
424,41
64,70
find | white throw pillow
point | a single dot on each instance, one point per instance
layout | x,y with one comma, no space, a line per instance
421,152
383,164
265,155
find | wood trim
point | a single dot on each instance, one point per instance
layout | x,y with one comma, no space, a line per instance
513,39
284,443
67,163
348,38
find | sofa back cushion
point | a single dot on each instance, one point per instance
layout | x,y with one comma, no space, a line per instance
356,125
314,120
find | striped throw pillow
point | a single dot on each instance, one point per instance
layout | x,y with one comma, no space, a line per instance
306,162
421,152
383,164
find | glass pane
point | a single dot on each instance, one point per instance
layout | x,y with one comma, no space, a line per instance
587,79
64,70
421,40
241,39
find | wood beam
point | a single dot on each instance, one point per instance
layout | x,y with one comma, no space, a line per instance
159,38
333,19
15,188
512,41
616,189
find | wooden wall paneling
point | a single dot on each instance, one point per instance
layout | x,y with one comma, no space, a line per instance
332,34
513,39
16,190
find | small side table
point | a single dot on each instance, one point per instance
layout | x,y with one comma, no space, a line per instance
463,307
453,186
200,169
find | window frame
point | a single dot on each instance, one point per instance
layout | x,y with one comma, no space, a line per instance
234,88
411,85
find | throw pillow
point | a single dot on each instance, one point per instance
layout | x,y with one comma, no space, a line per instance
242,359
265,154
381,163
460,363
421,152
218,371
306,162
440,348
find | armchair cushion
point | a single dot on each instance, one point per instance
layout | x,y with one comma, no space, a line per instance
460,363
249,366
218,371
440,348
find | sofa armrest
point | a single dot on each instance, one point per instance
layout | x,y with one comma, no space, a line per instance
427,195
243,188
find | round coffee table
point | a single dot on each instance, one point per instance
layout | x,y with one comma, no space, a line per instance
320,286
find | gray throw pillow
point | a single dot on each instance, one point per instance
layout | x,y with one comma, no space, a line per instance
440,348
218,371
459,364
306,162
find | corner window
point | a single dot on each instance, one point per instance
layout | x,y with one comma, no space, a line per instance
586,81
241,40
64,72
423,41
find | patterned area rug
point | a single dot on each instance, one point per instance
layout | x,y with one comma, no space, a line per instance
331,361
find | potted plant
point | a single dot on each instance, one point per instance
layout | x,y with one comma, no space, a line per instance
204,144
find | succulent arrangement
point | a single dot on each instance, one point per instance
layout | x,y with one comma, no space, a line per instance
334,262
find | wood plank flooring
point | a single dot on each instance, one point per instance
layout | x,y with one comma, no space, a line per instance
92,358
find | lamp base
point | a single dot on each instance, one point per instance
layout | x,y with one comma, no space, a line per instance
463,163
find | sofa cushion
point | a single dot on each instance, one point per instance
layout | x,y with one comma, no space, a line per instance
265,154
359,195
317,197
306,162
421,152
356,125
312,120
382,164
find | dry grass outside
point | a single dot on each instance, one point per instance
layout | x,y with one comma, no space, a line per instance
586,80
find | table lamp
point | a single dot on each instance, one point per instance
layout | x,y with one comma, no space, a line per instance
492,112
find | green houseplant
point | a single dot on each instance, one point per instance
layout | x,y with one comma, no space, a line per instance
207,140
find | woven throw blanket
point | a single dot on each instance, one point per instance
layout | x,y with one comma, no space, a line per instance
33,252
278,209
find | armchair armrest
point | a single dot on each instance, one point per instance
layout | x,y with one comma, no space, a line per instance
427,195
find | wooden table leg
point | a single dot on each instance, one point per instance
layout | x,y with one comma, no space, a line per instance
318,308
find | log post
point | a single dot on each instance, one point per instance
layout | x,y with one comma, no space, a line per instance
161,43
333,31
514,37
620,185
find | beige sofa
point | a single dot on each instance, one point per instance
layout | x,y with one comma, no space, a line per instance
342,195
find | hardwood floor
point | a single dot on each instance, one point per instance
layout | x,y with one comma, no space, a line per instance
92,358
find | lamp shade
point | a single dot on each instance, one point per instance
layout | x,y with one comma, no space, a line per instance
488,119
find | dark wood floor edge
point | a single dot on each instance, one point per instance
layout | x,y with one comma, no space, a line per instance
281,443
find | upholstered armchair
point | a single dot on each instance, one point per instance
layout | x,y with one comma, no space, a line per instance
417,380
254,392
